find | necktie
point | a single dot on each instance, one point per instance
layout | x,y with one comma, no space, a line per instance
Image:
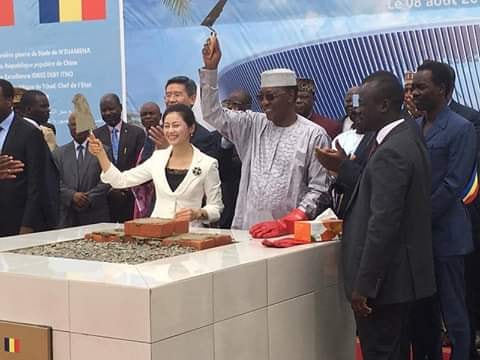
373,148
80,156
115,143
80,159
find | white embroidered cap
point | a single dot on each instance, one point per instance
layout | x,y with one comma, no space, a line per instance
278,77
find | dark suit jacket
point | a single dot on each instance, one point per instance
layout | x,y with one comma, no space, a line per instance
84,179
474,208
451,142
387,240
207,142
130,144
21,198
349,173
131,141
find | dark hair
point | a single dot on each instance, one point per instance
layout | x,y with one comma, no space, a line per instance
7,89
441,74
29,98
189,84
112,96
185,112
389,87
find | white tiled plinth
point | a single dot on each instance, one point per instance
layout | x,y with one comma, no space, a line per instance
241,301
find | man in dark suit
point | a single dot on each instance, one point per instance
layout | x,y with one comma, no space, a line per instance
347,169
183,90
20,198
36,110
387,244
9,167
472,261
126,142
83,196
451,143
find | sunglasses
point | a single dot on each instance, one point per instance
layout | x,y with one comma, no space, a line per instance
268,96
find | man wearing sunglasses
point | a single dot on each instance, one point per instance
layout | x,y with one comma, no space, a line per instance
281,181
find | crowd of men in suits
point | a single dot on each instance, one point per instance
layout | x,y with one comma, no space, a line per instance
403,164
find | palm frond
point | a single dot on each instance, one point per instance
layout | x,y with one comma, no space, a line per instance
179,7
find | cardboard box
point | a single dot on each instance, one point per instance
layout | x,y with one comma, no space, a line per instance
321,230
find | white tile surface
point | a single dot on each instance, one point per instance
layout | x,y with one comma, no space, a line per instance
197,345
181,307
110,311
47,237
86,347
61,345
330,263
296,274
82,270
292,329
242,337
335,324
239,290
34,301
10,262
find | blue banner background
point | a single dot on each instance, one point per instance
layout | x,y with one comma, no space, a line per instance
62,59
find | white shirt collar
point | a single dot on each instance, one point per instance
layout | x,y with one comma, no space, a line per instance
383,132
118,127
33,122
84,144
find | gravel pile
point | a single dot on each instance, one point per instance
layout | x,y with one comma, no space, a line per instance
130,252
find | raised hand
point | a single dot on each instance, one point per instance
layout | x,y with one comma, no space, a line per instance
95,146
211,53
156,134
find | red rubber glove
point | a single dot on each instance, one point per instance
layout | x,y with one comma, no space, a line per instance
282,226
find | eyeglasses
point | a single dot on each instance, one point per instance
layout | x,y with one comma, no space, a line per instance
268,96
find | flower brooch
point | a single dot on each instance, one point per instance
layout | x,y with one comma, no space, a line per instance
197,171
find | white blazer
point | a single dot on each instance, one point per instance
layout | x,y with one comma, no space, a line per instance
202,179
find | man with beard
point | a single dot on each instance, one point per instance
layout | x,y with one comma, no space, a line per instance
281,182
451,143
304,107
126,142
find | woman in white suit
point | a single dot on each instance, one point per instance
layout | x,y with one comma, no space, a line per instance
182,174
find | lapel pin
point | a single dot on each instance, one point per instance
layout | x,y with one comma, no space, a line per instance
197,171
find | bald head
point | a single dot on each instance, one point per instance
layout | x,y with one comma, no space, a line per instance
111,109
150,114
240,100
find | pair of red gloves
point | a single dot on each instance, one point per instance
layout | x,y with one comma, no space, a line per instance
282,226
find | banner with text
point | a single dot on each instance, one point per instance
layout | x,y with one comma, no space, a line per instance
63,48
336,43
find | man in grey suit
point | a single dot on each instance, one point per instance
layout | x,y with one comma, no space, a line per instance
387,239
83,197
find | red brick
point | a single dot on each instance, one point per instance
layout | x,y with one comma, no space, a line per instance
222,240
149,227
181,227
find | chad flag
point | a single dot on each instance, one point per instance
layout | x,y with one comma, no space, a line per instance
11,345
53,11
6,13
